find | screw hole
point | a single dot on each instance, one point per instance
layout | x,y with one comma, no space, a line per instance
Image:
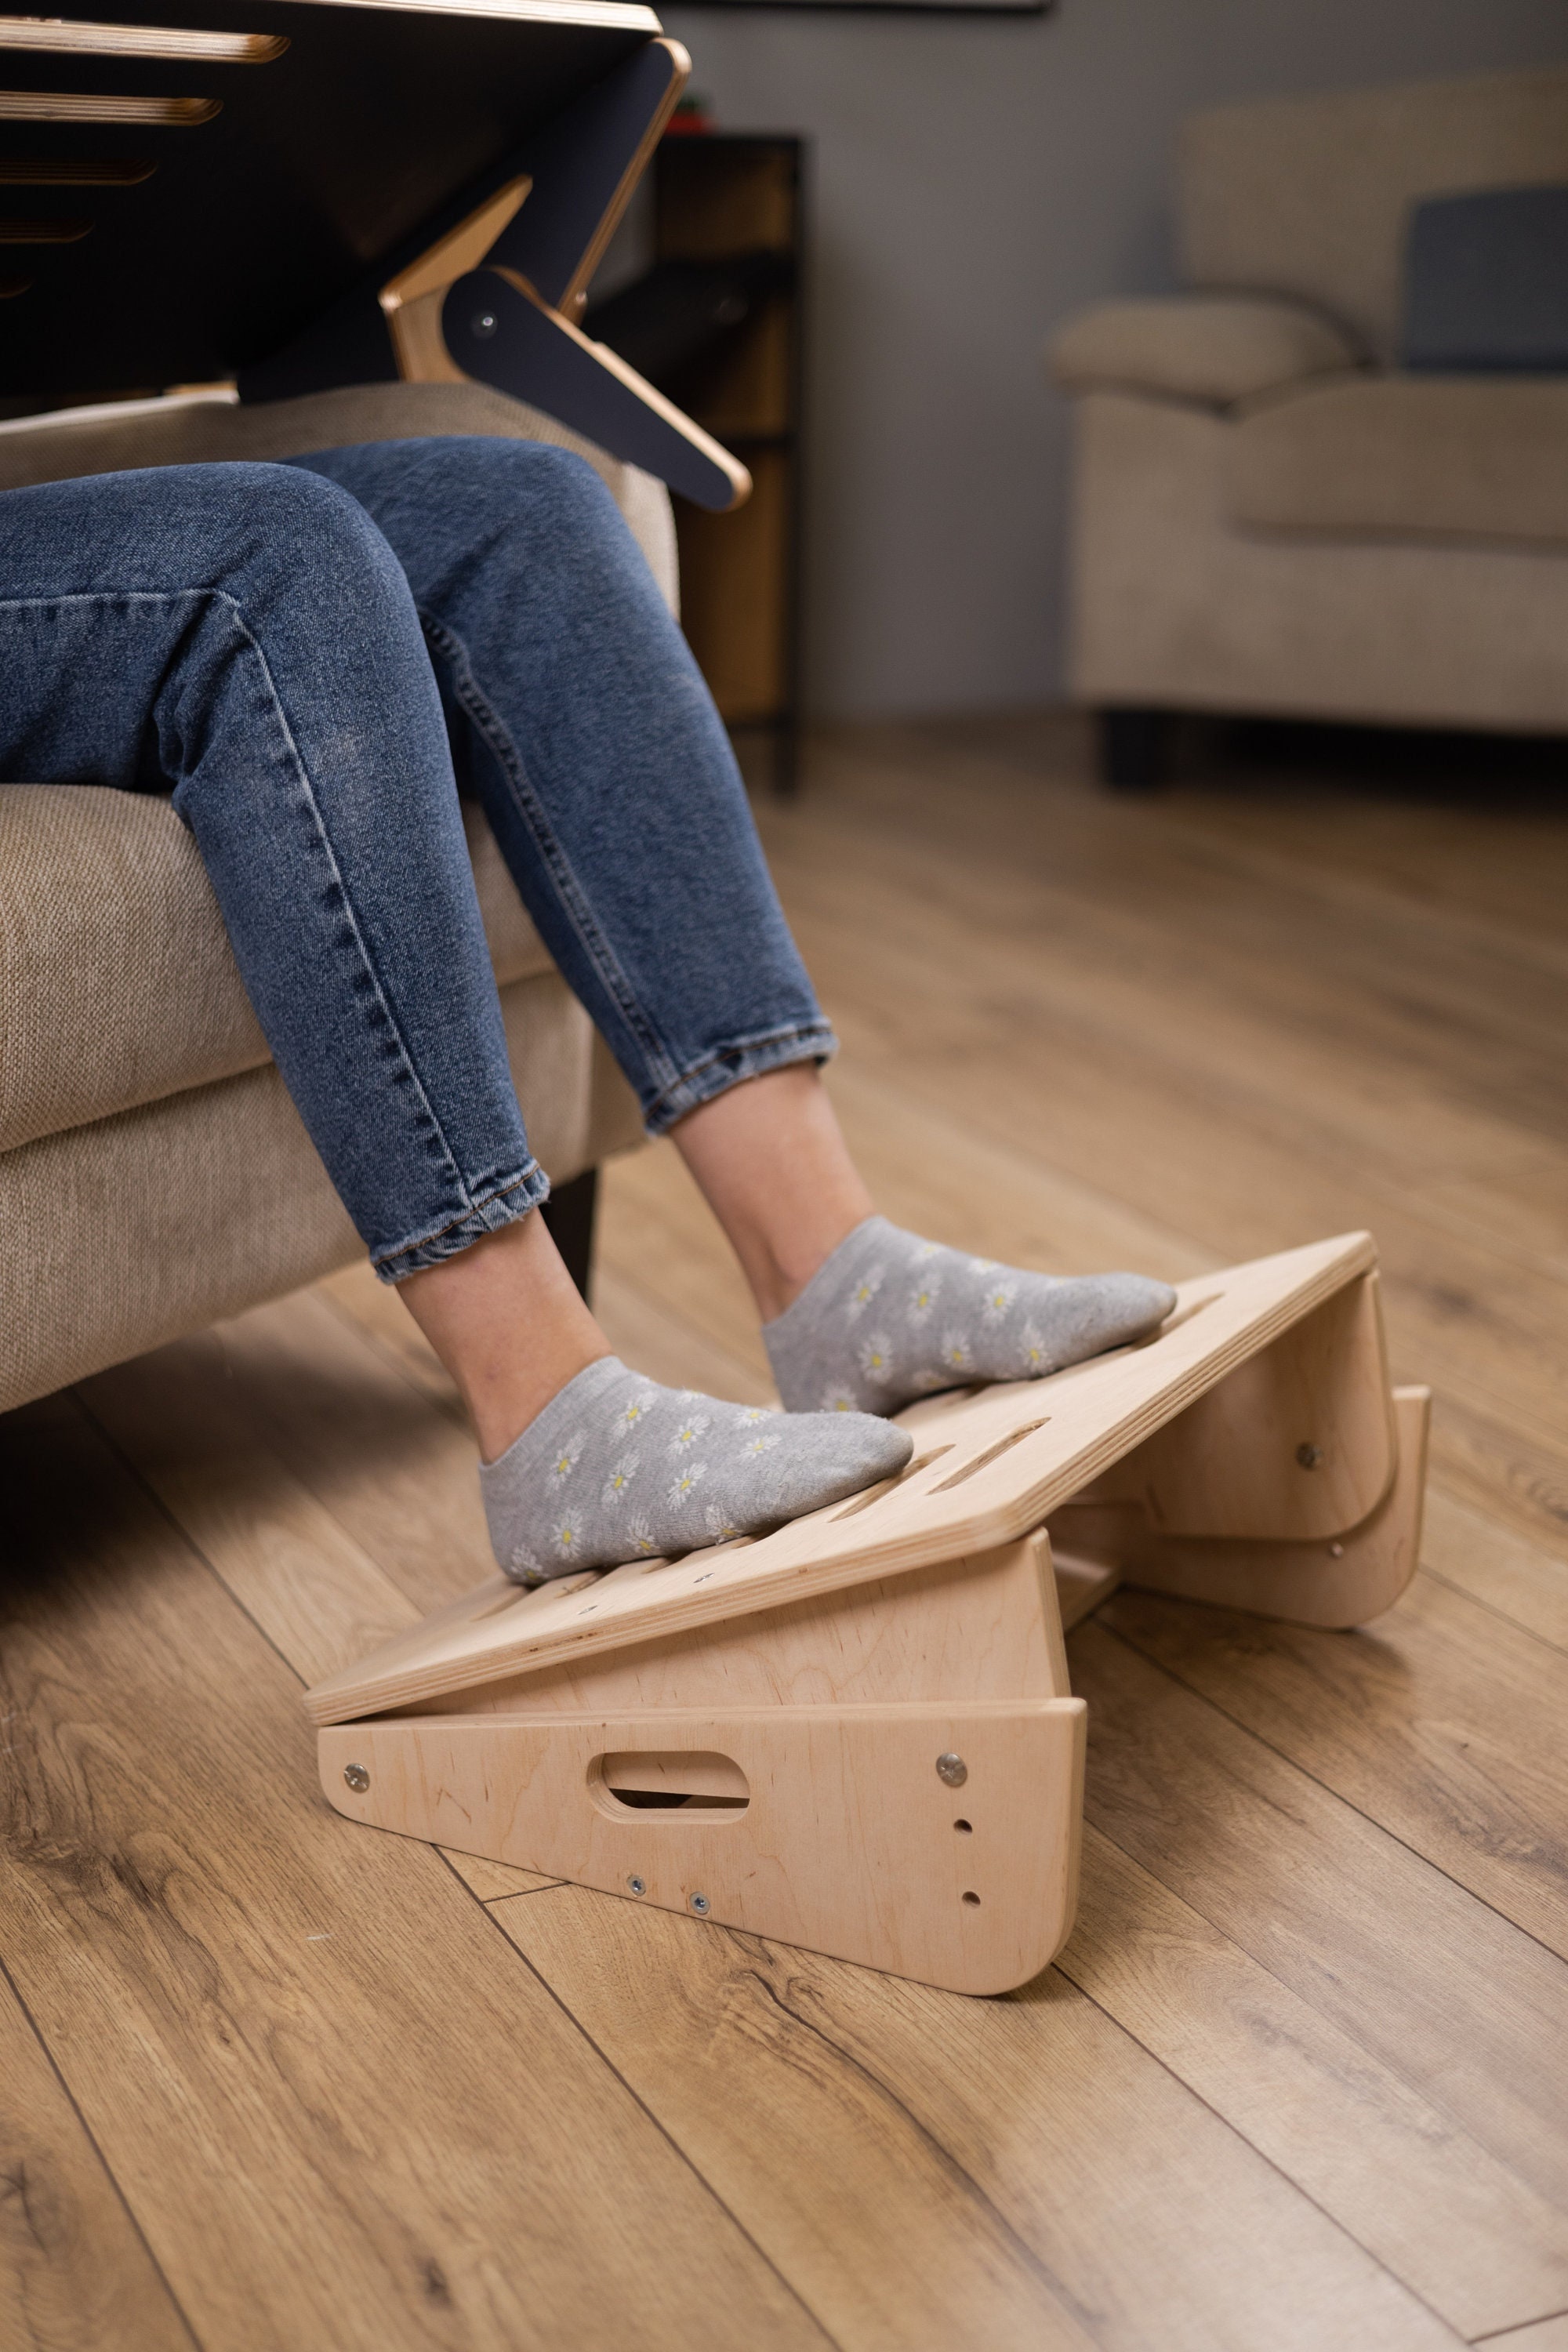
972,1898
965,1826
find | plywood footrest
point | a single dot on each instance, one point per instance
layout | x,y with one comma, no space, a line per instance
857,1735
822,1826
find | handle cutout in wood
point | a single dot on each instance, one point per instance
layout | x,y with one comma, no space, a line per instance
668,1780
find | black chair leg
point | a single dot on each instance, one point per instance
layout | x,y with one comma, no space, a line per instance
568,1215
1134,748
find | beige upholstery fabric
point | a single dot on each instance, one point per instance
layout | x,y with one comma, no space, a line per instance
1212,348
204,430
1409,455
116,982
1310,196
141,1227
1175,606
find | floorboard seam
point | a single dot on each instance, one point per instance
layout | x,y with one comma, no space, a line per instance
109,2173
1338,1795
1559,1649
1501,2335
390,1361
641,2103
144,1486
1236,2133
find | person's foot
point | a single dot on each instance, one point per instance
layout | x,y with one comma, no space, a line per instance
617,1468
889,1318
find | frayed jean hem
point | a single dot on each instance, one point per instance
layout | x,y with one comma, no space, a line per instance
503,1206
748,1058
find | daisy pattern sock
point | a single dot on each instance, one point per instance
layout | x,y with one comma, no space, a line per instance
889,1318
617,1468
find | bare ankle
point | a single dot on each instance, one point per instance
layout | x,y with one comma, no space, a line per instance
776,1172
508,1321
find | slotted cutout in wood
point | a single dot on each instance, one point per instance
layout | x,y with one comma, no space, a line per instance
67,106
67,36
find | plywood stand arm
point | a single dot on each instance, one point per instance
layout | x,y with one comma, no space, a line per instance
495,295
857,1735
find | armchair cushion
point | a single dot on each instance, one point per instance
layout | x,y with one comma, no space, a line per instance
1212,349
1455,457
118,985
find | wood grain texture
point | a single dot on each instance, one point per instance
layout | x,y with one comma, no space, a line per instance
1040,2181
326,2089
74,2270
1442,1724
844,1839
1384,2158
1425,1979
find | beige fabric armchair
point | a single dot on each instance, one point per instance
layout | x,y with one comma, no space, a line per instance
1267,515
153,1173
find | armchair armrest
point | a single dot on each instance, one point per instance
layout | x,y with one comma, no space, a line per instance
1211,348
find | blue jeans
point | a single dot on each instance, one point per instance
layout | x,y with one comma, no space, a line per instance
310,656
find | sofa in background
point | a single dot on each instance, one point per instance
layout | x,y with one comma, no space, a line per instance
1270,513
153,1173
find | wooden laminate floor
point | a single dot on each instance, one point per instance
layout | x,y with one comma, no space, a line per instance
1300,2078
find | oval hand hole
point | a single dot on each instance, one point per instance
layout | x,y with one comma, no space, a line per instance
668,1780
965,1826
972,1898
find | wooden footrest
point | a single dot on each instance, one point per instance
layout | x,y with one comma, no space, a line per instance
857,1734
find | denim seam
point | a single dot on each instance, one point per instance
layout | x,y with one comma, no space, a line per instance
221,596
816,1041
236,614
573,898
388,1258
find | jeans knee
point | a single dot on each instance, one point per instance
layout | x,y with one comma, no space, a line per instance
307,548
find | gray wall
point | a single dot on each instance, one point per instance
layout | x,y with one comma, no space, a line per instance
974,181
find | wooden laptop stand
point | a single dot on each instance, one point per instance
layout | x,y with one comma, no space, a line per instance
307,193
857,1734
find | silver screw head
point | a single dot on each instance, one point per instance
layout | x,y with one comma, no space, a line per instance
701,1906
484,325
357,1778
636,1885
1309,1456
951,1769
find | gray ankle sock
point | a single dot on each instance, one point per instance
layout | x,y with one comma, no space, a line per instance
617,1468
891,1316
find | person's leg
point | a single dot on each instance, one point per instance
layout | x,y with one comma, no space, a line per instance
581,721
583,724
243,634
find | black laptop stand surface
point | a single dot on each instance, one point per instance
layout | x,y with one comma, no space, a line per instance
304,193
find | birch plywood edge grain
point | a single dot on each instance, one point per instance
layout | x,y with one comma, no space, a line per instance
989,1467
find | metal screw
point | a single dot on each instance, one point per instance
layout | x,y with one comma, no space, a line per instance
1336,1551
701,1906
485,324
637,1885
1309,1456
357,1778
952,1770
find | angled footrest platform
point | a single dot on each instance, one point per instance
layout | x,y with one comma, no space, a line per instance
857,1734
